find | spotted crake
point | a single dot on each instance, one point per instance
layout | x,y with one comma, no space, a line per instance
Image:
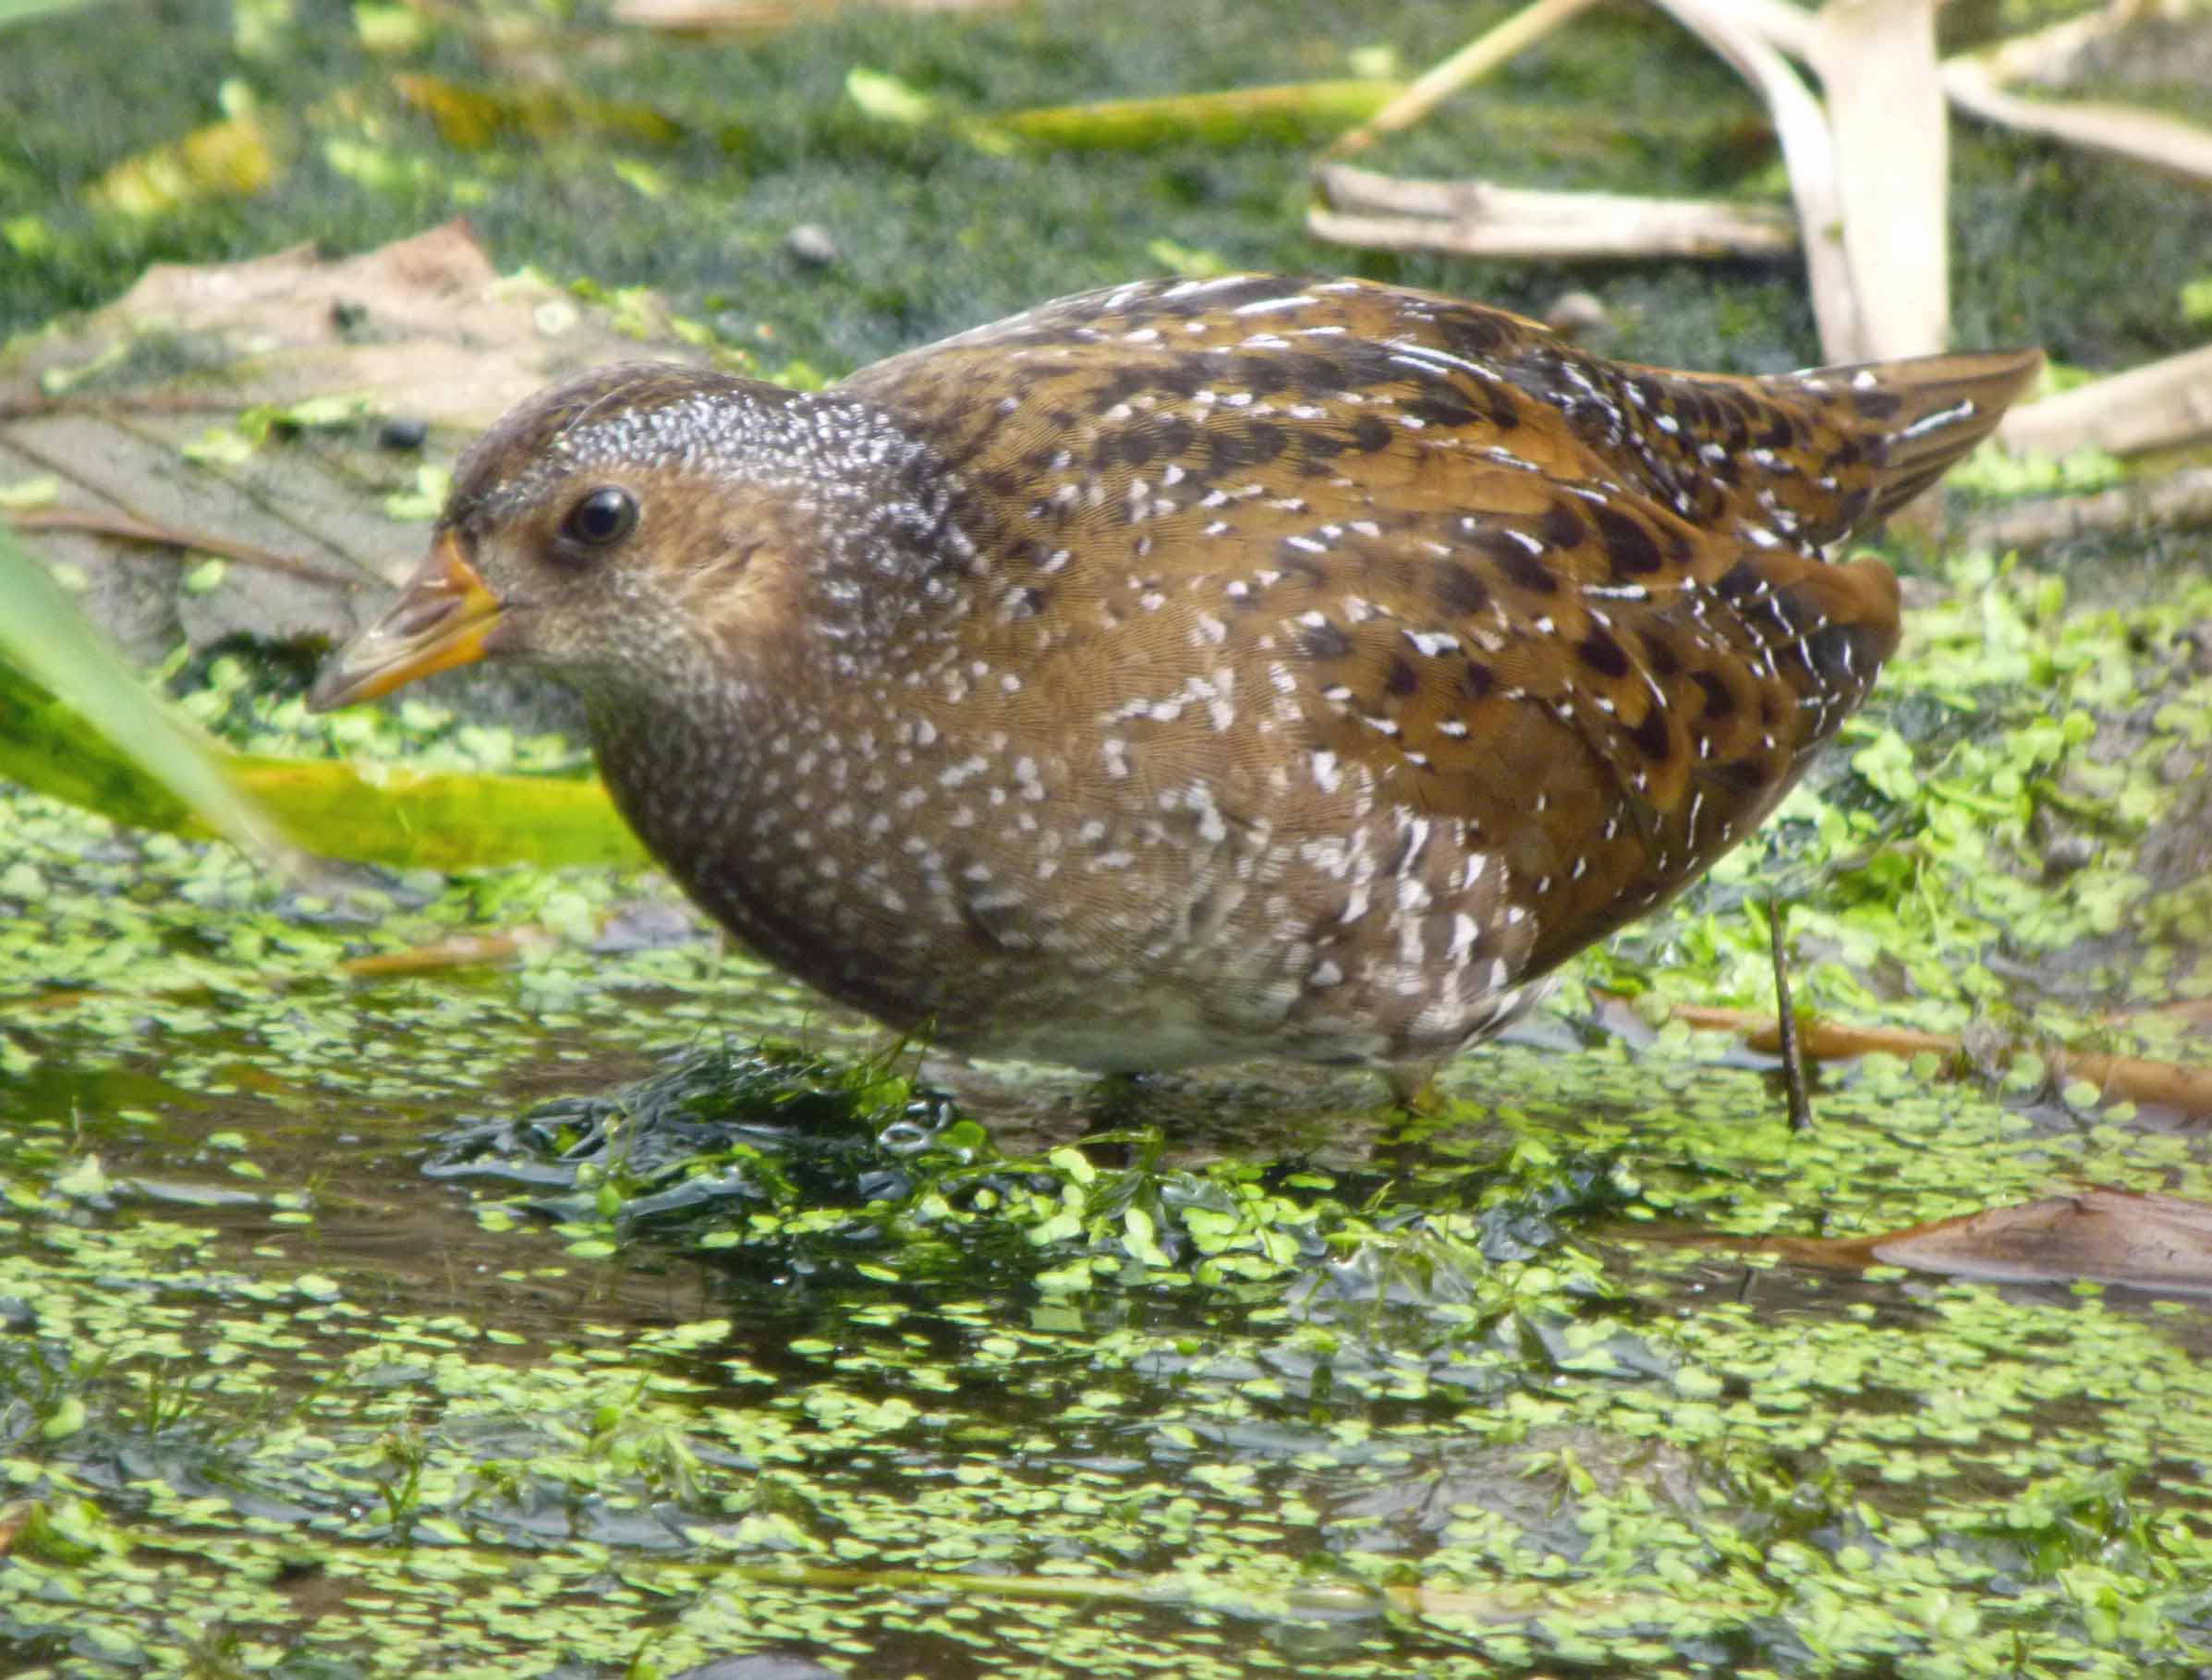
1193,671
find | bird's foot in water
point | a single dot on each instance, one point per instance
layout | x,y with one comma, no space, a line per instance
1412,1087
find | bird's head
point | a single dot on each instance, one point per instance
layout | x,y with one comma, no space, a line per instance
643,529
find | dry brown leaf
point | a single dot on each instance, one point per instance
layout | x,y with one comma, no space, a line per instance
134,409
2102,1236
2099,1234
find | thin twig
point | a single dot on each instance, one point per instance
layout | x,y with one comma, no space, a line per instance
67,470
1787,28
2168,1084
461,951
39,405
126,528
1480,218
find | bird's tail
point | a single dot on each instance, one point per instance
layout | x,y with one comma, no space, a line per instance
1901,424
1924,412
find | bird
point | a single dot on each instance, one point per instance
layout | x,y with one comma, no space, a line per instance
1193,671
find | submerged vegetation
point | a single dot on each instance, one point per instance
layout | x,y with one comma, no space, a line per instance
443,1320
614,1307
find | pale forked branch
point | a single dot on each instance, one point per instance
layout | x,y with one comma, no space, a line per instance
1975,82
1866,172
1809,152
2163,143
1530,228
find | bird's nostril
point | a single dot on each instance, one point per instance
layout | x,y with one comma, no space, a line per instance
423,613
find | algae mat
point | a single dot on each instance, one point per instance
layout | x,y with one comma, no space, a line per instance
538,1321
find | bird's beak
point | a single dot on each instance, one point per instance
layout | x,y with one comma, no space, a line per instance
439,621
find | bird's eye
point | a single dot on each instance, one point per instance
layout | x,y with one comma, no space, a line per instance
601,518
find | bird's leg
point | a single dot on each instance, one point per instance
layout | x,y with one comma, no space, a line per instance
1413,1085
1114,1100
1785,1021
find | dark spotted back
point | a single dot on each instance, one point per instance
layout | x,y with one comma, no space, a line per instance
1575,608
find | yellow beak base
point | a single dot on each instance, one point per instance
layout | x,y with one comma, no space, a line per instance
440,621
